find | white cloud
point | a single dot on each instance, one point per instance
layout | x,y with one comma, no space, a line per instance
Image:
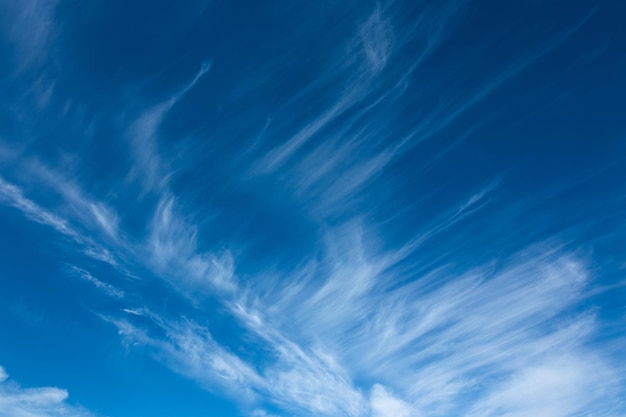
297,380
92,213
477,341
376,37
343,146
304,380
13,196
557,386
499,339
261,413
474,323
384,404
38,17
105,287
433,340
349,312
172,247
16,401
457,100
205,67
278,156
149,166
190,350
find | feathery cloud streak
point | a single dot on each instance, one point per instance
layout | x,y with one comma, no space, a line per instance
16,401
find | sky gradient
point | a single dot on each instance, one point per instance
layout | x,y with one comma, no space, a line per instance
325,208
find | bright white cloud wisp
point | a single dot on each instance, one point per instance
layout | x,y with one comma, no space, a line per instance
16,401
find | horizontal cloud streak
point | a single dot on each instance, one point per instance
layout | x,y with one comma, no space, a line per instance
107,288
16,401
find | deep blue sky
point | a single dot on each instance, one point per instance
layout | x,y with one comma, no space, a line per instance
325,208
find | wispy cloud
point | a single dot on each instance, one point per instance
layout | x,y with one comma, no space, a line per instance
454,102
297,380
445,342
174,252
261,413
107,288
170,249
558,386
373,43
92,213
36,15
359,323
384,404
205,67
16,401
377,40
13,196
149,166
347,159
348,143
190,350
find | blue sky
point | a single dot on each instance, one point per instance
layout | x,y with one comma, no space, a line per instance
326,208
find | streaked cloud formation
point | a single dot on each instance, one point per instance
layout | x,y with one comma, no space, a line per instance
376,210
